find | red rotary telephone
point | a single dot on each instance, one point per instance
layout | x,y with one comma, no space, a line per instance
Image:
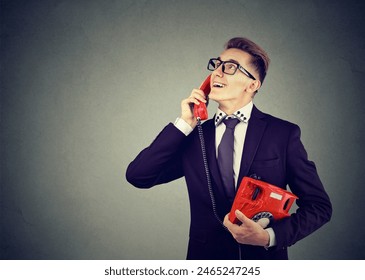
257,199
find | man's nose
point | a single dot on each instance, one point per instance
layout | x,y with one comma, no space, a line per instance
219,70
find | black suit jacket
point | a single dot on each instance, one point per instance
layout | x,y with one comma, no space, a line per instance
272,150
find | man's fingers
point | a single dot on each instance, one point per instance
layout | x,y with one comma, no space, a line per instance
240,216
199,95
226,222
263,222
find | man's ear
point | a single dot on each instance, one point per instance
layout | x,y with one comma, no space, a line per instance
255,86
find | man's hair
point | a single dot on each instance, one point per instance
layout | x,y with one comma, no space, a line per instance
260,59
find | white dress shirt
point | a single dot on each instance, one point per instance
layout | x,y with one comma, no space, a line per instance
243,115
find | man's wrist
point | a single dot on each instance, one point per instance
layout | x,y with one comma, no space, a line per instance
272,238
266,238
183,126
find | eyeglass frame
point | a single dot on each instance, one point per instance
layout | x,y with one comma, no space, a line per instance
222,63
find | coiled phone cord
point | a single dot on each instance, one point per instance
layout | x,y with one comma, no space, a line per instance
206,168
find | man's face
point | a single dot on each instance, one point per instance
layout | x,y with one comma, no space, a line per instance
233,91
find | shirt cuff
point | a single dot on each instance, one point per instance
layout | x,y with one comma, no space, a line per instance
183,126
272,237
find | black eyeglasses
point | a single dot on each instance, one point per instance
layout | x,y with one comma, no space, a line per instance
228,67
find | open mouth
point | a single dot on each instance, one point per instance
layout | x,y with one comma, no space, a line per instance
218,85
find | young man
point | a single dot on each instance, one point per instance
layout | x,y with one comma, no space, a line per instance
263,146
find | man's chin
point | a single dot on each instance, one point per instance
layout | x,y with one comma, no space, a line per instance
215,96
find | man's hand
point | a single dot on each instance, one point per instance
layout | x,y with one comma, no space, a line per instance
249,232
187,114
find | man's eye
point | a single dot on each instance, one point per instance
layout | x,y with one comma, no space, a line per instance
230,66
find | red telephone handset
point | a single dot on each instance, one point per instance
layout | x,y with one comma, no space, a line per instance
200,111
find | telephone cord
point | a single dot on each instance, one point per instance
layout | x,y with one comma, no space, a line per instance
207,172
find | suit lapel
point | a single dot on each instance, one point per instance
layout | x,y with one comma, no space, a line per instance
255,131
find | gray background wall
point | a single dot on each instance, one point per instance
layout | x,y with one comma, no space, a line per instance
85,85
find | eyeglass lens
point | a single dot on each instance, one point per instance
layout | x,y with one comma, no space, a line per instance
227,67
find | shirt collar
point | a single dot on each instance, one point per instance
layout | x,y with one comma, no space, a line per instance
243,114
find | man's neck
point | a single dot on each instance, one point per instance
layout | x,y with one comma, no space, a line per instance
229,109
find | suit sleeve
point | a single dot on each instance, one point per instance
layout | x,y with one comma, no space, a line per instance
160,162
314,206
